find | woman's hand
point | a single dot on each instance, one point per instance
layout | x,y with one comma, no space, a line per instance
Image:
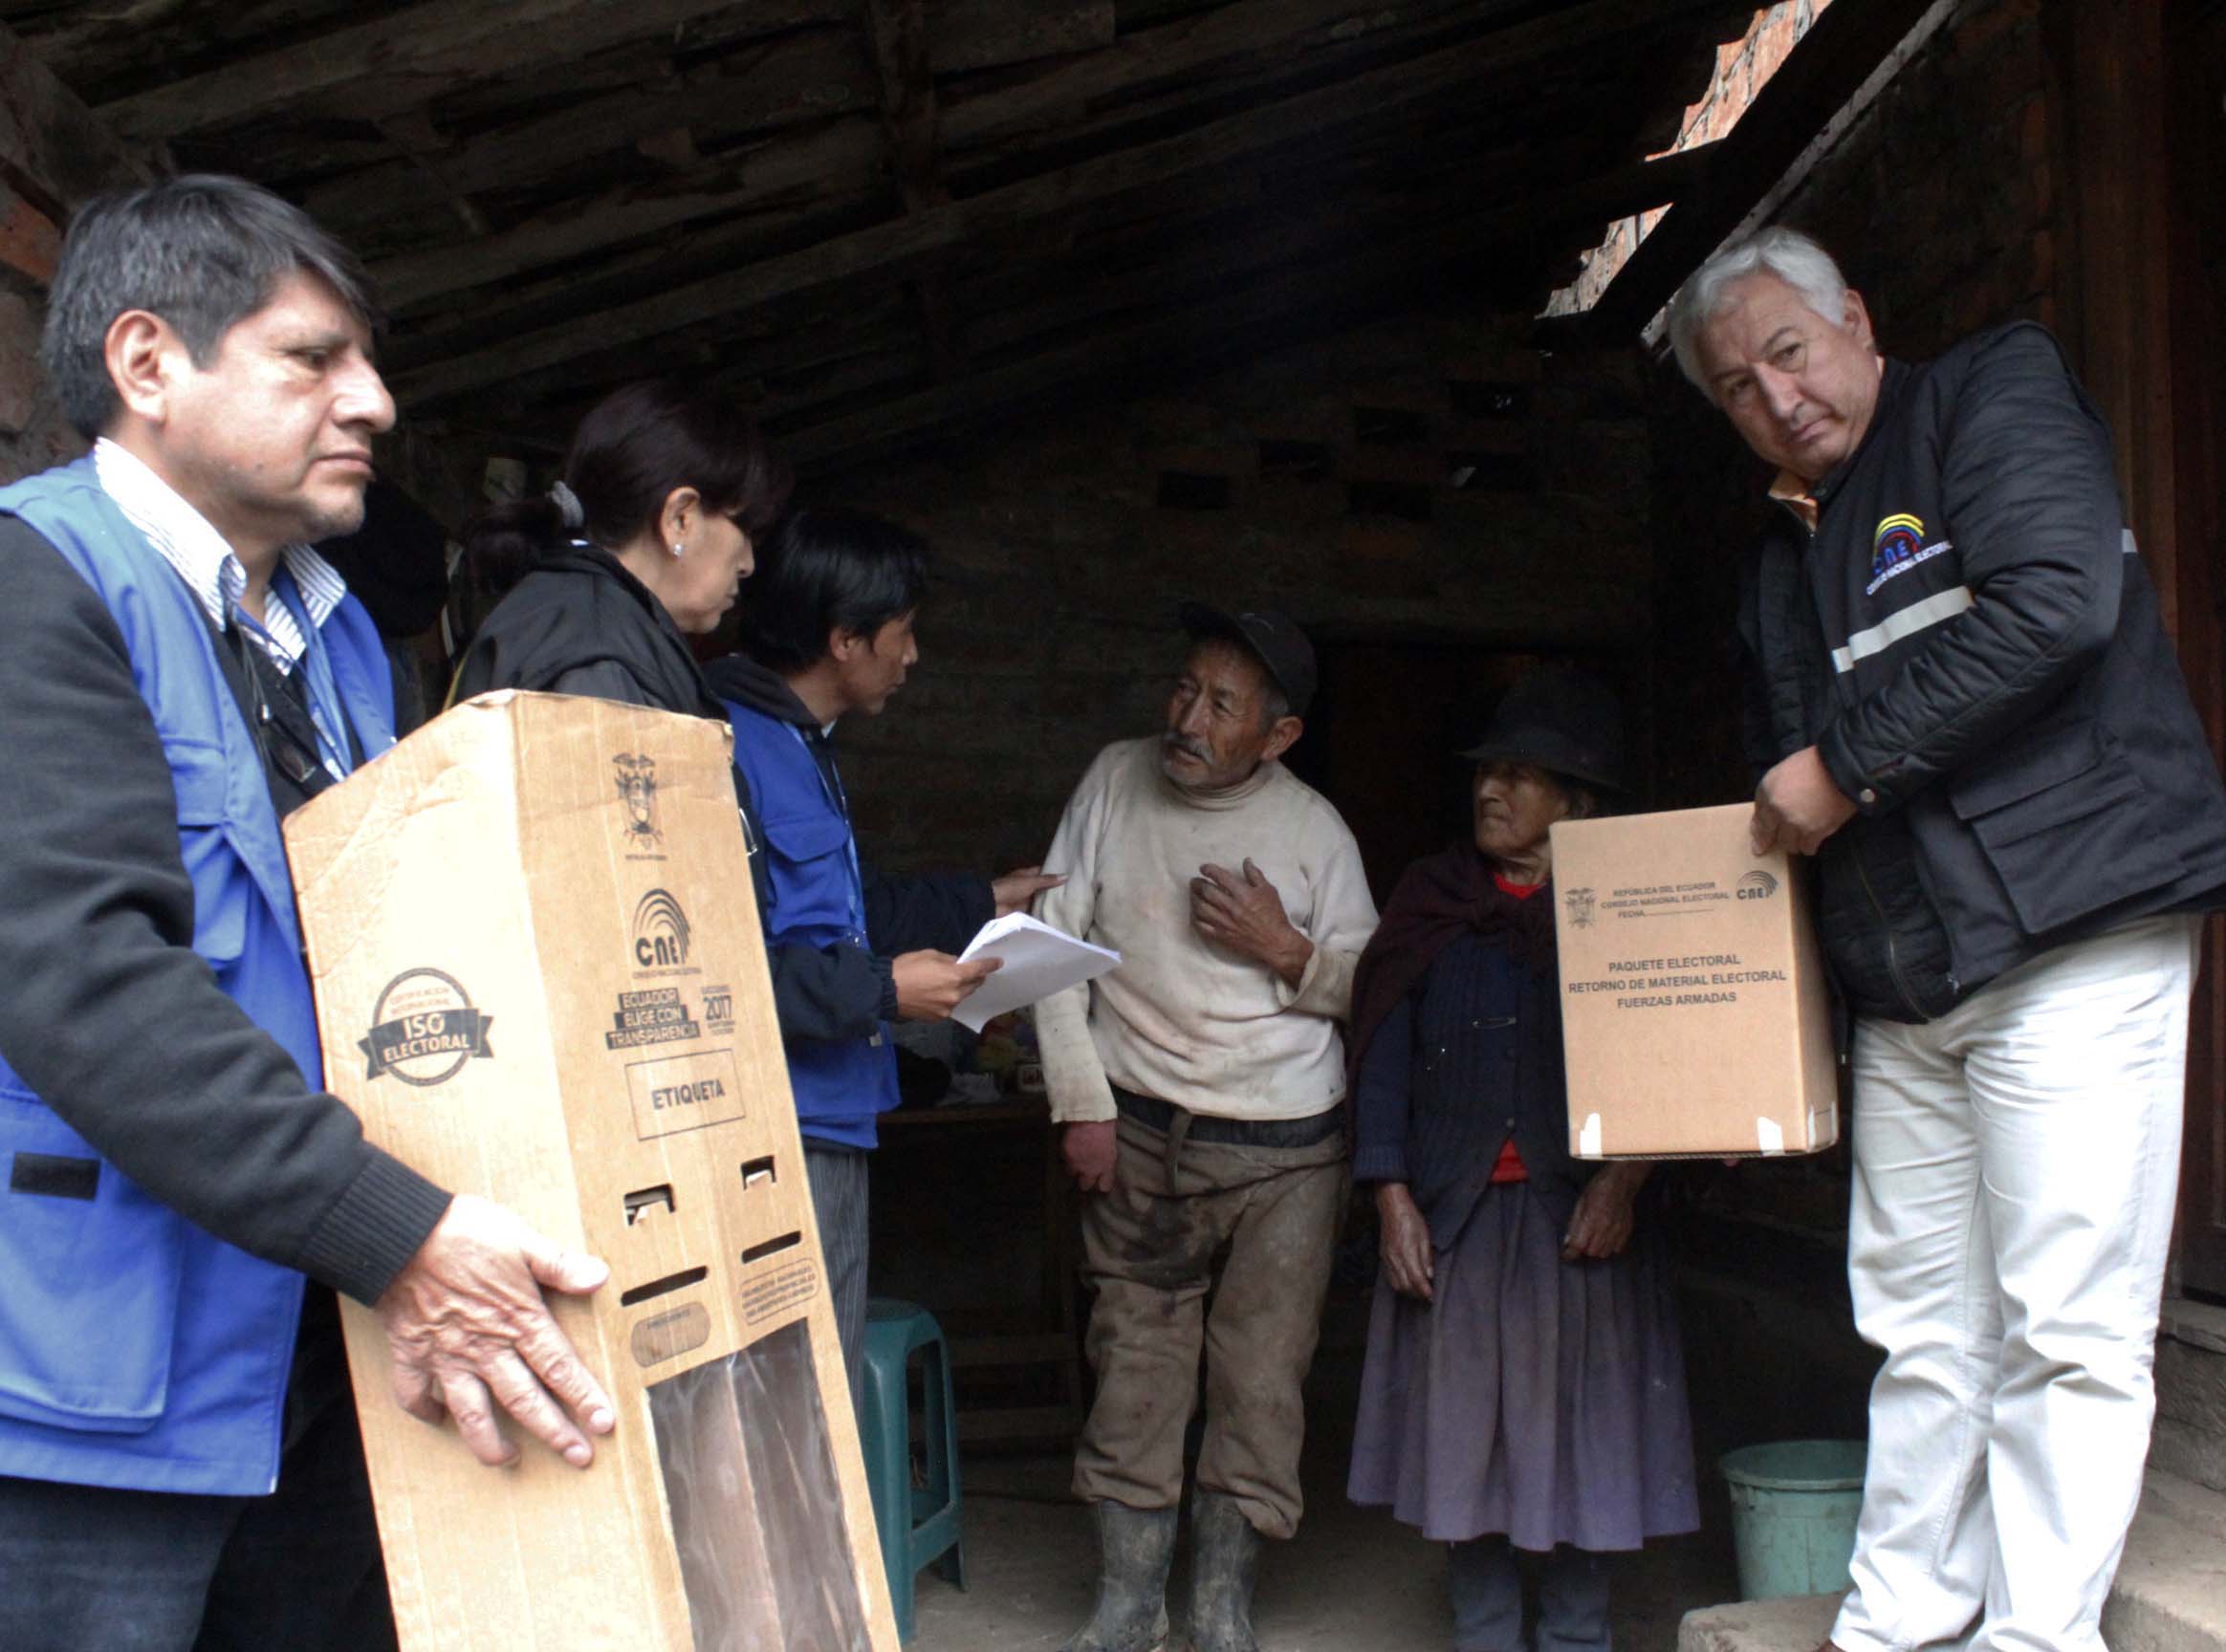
1404,1241
1601,1225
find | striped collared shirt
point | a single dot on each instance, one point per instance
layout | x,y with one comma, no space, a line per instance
207,564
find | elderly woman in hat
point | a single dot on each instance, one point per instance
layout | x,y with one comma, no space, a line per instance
1524,1386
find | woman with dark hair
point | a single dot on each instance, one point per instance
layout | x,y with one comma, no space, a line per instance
828,634
1524,1386
648,537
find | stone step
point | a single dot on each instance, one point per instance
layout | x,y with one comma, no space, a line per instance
2170,1596
1797,1624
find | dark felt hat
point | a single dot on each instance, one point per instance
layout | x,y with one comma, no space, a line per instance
1273,638
1562,721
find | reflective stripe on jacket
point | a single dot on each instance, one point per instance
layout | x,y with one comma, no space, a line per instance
1972,645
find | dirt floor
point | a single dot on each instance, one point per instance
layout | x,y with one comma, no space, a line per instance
1352,1581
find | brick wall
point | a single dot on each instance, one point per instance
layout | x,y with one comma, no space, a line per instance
1426,478
31,428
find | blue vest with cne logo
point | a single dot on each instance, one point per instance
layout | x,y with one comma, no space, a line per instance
137,1349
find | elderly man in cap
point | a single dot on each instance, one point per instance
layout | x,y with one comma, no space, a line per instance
1201,1087
1963,705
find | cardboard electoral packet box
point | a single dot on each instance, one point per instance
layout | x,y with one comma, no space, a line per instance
539,979
1695,1013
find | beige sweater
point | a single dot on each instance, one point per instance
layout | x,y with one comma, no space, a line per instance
1182,1019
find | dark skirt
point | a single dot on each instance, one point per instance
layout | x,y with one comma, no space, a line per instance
1536,1397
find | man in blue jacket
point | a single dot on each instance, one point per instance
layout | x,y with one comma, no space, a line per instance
179,1461
1963,705
827,626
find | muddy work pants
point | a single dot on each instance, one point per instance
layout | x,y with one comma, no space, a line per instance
1248,1213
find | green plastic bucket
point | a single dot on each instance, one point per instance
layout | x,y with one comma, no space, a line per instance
1794,1506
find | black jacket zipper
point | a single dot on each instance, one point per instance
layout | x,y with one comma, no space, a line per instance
1884,925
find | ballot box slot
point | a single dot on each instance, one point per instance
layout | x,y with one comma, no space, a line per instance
664,1287
758,1252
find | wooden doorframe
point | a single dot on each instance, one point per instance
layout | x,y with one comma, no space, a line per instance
2138,136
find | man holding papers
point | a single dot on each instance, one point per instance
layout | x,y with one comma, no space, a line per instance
1200,1085
828,630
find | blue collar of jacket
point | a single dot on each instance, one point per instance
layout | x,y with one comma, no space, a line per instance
75,514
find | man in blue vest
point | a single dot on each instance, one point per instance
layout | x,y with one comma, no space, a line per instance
179,1461
827,624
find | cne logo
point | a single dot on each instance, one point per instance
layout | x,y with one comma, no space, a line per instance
661,932
1582,904
1896,546
1756,885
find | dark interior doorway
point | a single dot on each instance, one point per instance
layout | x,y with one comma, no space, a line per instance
2197,178
1392,716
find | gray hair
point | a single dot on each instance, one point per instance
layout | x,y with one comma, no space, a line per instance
1786,253
1274,704
202,252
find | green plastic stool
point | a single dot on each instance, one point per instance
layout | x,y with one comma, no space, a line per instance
917,1527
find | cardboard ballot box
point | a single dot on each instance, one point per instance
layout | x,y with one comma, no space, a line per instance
539,979
1694,1004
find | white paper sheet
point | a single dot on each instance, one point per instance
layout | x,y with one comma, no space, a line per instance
1038,961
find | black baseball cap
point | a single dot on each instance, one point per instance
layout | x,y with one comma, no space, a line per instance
1273,638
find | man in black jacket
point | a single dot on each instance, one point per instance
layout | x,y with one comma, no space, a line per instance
1963,705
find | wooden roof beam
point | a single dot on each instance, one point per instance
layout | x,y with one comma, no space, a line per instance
437,39
898,32
54,155
816,73
1193,335
1830,64
788,371
809,75
442,39
53,151
898,248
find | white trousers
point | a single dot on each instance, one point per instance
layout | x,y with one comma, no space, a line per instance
2016,1167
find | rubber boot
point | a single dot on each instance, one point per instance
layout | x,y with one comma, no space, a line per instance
1225,1563
1135,1547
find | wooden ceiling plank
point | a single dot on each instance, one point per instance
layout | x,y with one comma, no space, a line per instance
966,35
807,76
812,73
1211,150
1109,285
436,40
441,39
53,151
1226,250
829,160
1188,335
1831,62
1243,30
